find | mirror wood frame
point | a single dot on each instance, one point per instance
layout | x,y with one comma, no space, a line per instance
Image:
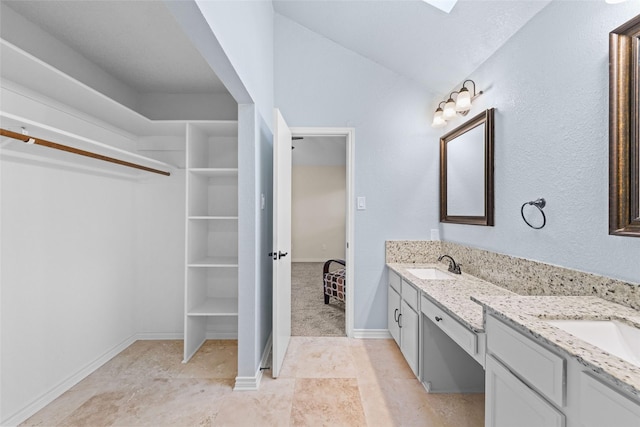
624,122
485,118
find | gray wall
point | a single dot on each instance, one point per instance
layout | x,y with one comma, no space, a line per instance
254,239
319,83
549,86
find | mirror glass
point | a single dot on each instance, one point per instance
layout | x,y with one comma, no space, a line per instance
624,129
466,172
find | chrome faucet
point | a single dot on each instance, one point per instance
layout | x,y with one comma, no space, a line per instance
453,266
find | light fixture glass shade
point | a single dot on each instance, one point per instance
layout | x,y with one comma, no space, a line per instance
438,120
449,110
463,101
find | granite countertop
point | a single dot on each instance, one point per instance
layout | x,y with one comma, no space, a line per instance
454,296
528,314
466,297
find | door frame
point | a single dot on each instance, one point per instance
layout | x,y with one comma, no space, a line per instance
350,135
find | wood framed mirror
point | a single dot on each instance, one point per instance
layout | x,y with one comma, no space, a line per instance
466,172
624,133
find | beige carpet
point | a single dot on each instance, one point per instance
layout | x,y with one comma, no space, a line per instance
310,316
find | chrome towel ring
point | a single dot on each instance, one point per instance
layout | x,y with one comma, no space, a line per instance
540,204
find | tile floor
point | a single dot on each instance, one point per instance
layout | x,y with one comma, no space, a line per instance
325,381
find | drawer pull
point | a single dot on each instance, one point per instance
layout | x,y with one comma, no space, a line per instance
399,323
438,319
395,315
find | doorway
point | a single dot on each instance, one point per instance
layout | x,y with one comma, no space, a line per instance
322,227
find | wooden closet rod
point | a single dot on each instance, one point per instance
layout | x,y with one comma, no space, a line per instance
31,140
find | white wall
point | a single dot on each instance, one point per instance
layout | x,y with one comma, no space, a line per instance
159,258
244,29
319,83
67,273
549,84
318,213
188,106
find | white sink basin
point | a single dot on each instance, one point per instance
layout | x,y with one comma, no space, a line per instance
615,338
430,274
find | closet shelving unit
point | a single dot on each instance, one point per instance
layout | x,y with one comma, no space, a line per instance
211,273
210,157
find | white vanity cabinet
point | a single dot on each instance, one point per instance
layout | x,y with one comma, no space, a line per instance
523,380
600,405
527,384
511,402
403,319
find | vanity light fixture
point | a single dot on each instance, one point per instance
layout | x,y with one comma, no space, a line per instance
438,119
460,106
449,108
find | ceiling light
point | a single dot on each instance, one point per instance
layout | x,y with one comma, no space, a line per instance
460,106
614,1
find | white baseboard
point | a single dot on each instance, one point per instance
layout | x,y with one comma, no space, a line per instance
371,333
66,384
253,383
221,335
148,336
145,336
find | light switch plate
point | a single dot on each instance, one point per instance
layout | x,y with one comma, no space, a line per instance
362,203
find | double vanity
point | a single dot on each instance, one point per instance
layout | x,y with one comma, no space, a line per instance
541,360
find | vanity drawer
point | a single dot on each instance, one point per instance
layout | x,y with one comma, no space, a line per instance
536,365
464,337
394,280
410,295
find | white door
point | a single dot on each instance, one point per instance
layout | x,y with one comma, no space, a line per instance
281,242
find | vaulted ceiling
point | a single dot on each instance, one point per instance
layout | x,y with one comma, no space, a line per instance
436,49
140,44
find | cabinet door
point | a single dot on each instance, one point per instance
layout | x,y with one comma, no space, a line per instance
393,311
510,402
409,337
600,405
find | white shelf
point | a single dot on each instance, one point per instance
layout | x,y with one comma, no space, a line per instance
215,262
211,292
44,79
216,307
19,149
214,172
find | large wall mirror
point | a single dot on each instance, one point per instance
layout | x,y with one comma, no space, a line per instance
624,132
466,172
